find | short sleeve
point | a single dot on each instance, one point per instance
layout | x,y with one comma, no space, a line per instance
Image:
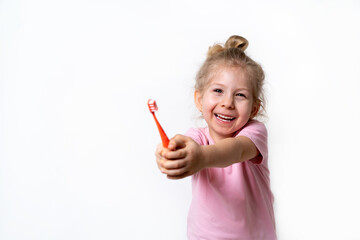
198,135
257,133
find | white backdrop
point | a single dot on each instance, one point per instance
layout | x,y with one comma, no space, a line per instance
77,141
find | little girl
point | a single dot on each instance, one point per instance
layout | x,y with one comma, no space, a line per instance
228,160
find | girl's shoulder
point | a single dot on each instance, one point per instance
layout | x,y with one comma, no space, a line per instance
200,135
257,133
253,125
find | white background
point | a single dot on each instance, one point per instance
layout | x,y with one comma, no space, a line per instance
77,141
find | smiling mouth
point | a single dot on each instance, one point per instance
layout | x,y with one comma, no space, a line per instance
224,118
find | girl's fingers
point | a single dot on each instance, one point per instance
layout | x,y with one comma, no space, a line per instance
160,163
158,151
185,174
177,142
174,164
164,163
173,172
177,154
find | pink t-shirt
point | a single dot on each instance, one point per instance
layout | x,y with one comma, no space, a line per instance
233,202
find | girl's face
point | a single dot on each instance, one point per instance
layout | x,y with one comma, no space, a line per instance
227,102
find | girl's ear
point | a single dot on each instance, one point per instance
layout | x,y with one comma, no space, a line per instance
197,100
255,109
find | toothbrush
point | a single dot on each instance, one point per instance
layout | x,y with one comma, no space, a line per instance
153,108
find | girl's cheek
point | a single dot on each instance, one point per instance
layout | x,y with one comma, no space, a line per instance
211,100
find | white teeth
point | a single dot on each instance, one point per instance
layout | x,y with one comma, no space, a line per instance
222,117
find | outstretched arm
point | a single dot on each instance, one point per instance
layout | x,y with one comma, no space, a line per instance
184,156
229,151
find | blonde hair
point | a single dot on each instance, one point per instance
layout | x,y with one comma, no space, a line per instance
231,54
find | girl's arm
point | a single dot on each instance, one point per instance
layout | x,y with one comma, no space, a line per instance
229,151
184,156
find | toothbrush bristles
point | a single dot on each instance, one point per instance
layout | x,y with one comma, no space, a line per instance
152,105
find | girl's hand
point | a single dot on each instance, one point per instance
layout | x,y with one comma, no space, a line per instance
182,158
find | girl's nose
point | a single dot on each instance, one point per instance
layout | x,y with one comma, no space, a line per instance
228,102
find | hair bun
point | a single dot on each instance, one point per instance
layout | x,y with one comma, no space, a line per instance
236,41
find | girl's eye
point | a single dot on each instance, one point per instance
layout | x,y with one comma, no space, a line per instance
217,90
240,95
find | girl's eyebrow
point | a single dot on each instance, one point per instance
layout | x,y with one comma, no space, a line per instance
243,89
223,85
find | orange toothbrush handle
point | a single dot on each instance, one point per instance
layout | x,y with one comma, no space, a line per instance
164,138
